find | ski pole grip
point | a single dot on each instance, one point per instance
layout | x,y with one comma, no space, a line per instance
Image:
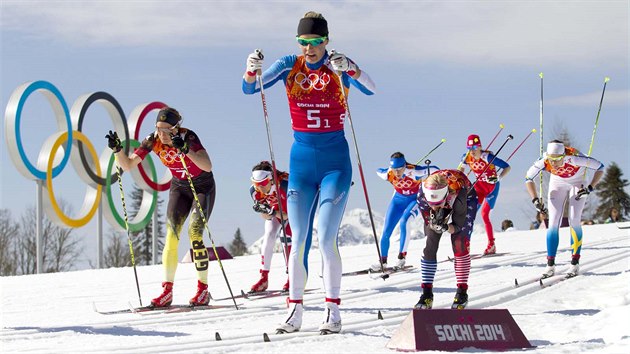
261,57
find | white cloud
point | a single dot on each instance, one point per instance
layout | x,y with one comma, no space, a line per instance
528,33
135,22
611,98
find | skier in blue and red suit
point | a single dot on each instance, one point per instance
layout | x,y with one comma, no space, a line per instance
488,170
406,179
320,172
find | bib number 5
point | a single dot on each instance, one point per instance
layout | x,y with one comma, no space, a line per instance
315,122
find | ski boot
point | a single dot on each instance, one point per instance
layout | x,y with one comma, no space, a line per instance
575,267
551,268
491,249
332,317
262,283
376,267
285,287
426,299
294,318
461,299
166,298
202,297
401,260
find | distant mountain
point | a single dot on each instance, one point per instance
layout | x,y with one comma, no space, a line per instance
356,229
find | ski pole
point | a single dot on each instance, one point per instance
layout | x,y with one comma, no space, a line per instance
205,224
273,163
601,100
541,75
509,137
429,153
133,258
501,126
367,198
519,145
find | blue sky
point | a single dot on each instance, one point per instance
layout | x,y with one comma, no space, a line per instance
443,69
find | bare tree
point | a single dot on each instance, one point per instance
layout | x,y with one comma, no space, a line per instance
8,241
117,251
60,248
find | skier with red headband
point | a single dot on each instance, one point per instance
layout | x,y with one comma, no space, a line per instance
448,203
488,170
265,194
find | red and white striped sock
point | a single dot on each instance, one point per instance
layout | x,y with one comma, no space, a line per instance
462,268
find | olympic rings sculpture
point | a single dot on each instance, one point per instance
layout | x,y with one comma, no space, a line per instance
89,167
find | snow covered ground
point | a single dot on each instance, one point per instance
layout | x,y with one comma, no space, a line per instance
53,313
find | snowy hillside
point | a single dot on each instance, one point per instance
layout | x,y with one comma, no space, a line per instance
356,229
53,313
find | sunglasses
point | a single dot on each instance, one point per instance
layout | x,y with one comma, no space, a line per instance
474,147
165,130
262,183
556,158
314,42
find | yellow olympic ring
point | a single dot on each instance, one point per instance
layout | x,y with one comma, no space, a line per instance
93,196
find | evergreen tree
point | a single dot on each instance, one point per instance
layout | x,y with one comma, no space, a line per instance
238,247
611,193
142,240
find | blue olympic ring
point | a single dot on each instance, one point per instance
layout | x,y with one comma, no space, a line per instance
60,108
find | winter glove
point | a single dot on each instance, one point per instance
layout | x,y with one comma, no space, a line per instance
493,179
340,62
439,227
539,205
263,208
180,144
583,192
254,62
438,220
113,141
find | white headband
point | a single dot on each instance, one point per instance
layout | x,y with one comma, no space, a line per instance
260,175
555,149
435,195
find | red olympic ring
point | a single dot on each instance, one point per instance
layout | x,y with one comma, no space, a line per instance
135,122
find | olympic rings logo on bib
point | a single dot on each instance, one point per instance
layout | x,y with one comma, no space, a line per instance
312,81
168,156
478,166
94,171
565,171
404,183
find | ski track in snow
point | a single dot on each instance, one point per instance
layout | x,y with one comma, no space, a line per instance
242,330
